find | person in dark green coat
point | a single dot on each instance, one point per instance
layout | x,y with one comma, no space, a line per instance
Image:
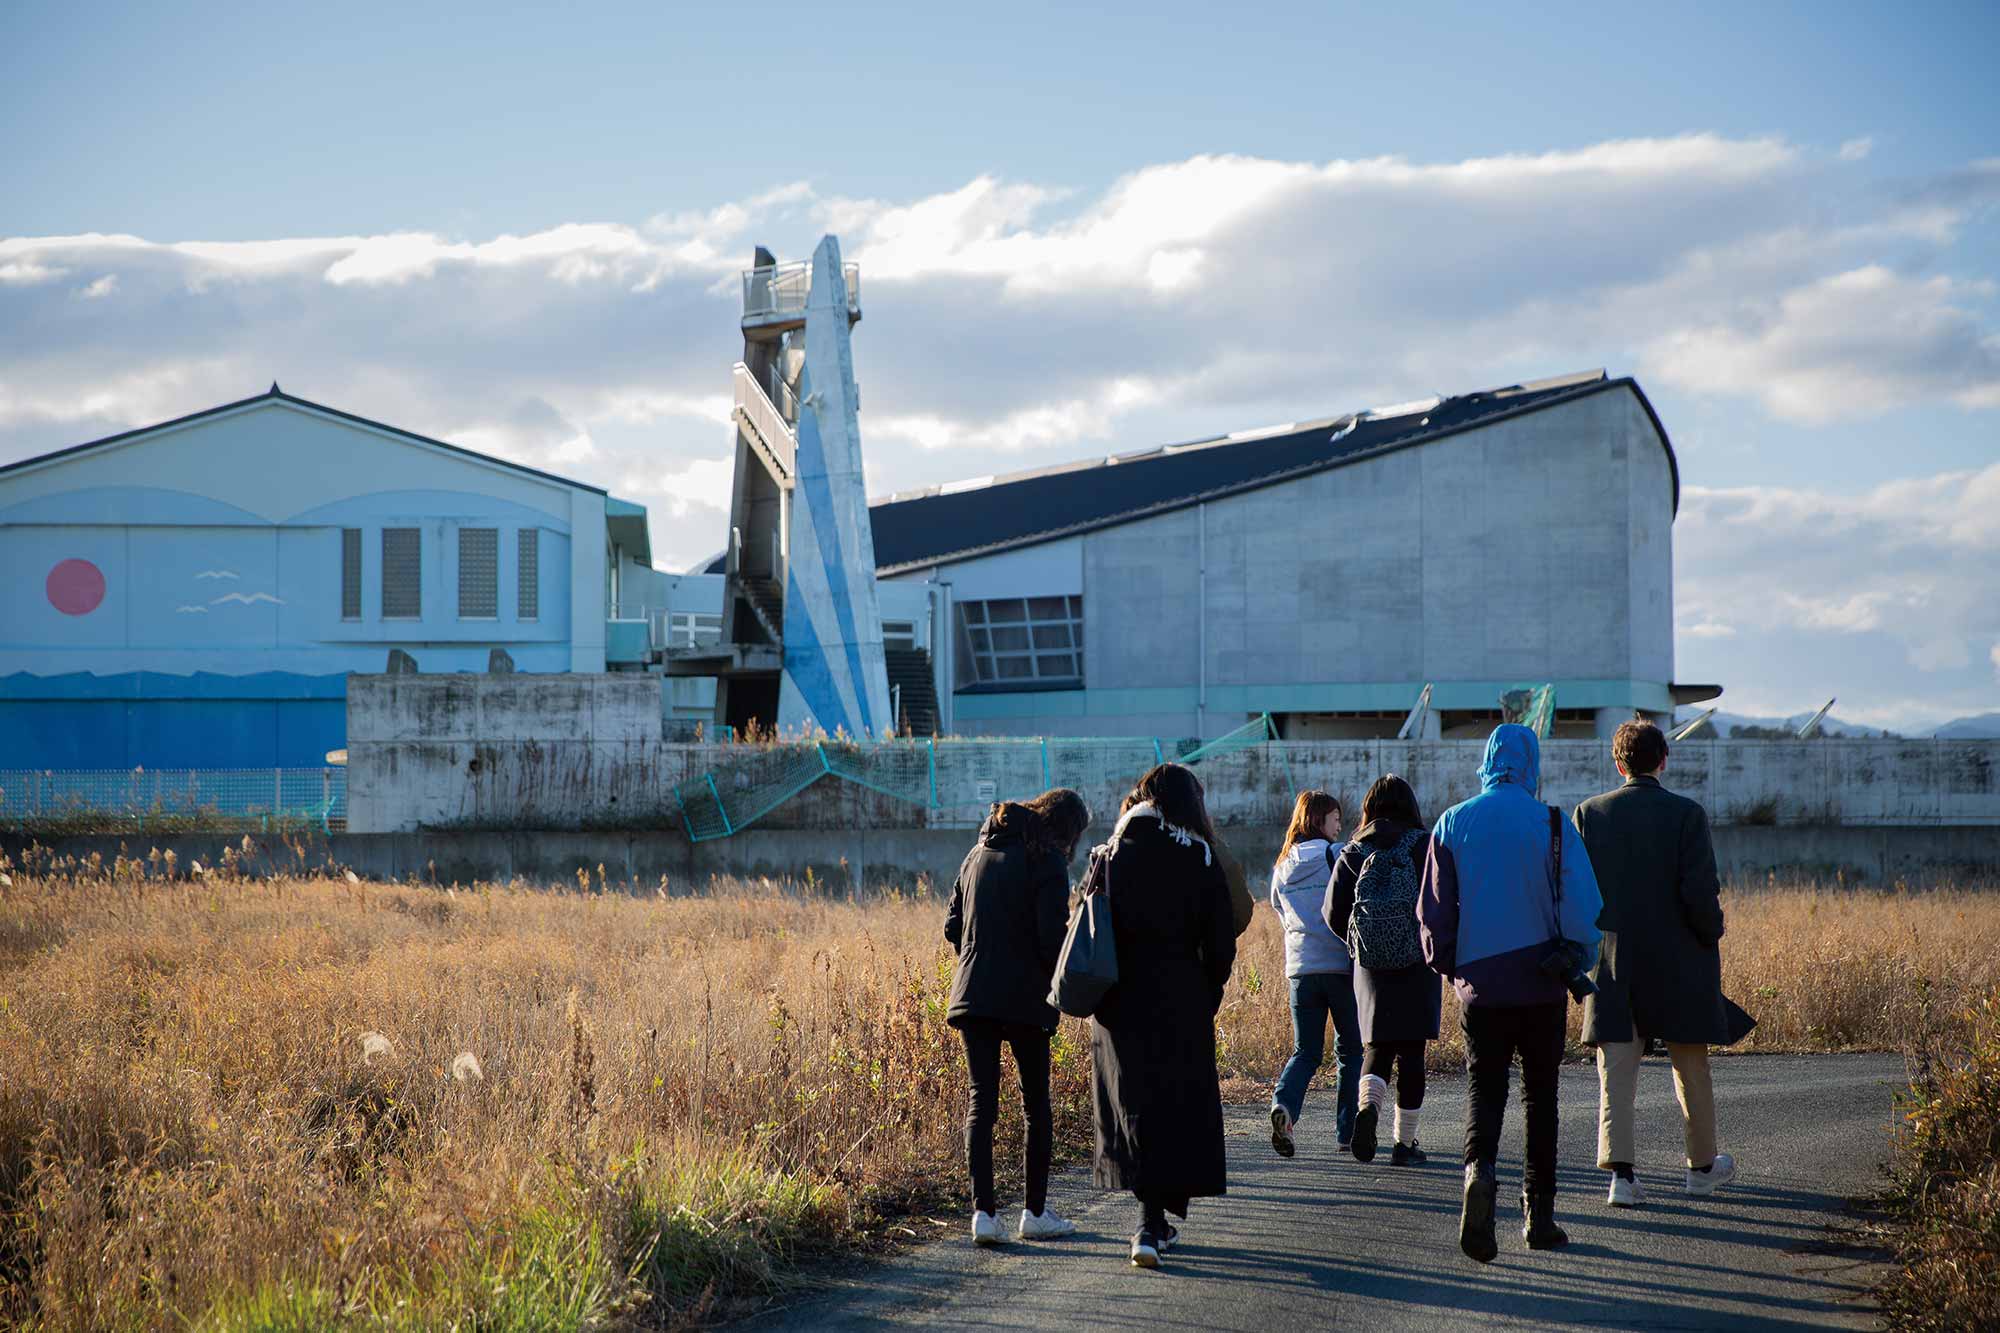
1659,969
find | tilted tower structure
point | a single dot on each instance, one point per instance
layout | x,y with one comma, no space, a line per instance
801,626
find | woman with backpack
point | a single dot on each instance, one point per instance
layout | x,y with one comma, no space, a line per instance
1156,1100
1373,904
1008,911
1316,972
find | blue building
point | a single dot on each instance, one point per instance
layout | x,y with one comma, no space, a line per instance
193,594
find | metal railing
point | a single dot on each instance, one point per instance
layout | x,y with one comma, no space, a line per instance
781,289
765,421
173,799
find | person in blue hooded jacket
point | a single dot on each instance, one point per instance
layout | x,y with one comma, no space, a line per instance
1491,917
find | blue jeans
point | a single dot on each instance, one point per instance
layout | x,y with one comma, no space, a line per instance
1315,998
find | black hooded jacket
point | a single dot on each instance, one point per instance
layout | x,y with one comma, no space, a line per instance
1009,912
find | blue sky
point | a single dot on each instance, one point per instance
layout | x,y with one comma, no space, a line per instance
1081,231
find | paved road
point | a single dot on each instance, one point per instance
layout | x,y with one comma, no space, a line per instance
1324,1241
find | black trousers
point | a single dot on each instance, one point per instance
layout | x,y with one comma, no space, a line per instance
1031,1059
1493,1036
1409,1060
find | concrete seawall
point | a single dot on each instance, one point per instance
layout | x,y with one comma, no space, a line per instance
875,858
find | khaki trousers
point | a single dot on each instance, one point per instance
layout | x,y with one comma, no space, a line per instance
1618,1083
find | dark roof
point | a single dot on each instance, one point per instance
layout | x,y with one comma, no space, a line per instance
915,529
275,394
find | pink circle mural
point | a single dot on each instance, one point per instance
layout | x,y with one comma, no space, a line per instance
76,587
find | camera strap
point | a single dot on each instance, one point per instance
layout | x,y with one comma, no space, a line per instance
1556,867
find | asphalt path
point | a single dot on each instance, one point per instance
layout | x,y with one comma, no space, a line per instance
1323,1241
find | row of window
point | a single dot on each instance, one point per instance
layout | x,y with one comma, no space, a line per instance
1022,641
478,574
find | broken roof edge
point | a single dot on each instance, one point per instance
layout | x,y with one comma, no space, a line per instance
1585,384
1387,412
276,395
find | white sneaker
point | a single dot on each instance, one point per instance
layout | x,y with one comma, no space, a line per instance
1045,1225
1625,1193
986,1229
1701,1184
1281,1131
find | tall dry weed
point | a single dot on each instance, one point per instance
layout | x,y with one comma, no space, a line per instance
308,1101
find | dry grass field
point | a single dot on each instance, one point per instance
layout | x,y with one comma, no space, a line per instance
303,1103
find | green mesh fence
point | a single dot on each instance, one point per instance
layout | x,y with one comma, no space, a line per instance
174,798
956,778
756,782
1532,706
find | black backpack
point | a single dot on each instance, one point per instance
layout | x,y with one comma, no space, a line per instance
1382,935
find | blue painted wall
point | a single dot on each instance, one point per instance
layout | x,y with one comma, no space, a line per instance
208,630
267,720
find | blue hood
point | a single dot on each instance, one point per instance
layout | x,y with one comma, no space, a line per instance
1512,755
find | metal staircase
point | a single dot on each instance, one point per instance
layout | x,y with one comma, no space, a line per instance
912,686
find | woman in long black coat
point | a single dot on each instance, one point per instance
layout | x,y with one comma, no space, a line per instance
1157,1100
1397,1007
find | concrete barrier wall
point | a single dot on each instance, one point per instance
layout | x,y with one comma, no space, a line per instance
582,752
873,859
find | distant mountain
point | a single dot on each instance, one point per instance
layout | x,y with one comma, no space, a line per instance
1979,727
1729,724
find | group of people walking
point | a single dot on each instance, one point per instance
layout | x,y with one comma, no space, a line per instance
1520,909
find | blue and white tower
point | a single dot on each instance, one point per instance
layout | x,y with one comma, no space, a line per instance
802,630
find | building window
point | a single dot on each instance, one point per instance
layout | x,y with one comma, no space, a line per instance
899,634
693,629
402,574
350,573
478,573
1023,641
527,559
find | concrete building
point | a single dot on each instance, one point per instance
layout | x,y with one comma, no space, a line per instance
192,594
1322,572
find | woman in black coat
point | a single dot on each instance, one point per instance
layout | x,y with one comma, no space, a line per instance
1157,1102
1397,1007
1008,909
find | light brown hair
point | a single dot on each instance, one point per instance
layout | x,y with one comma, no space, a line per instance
1308,812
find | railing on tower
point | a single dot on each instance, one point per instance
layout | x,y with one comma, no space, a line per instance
754,406
781,289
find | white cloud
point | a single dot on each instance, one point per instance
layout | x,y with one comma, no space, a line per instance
1012,323
1854,150
1705,629
99,289
1863,341
21,272
697,483
1995,655
1862,595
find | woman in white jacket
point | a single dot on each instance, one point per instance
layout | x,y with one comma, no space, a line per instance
1317,972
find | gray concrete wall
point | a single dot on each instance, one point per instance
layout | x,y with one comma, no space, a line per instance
547,779
853,859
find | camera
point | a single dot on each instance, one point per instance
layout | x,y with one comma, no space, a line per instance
1564,962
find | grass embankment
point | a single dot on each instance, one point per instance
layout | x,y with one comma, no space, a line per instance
1944,1197
308,1102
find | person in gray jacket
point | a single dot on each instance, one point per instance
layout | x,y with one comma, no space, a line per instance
1318,973
1659,969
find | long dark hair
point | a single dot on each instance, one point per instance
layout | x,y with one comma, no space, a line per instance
1390,801
1308,814
1063,817
1176,793
1051,822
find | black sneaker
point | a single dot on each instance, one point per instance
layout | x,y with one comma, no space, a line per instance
1475,1219
1168,1237
1407,1154
1364,1134
1145,1250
